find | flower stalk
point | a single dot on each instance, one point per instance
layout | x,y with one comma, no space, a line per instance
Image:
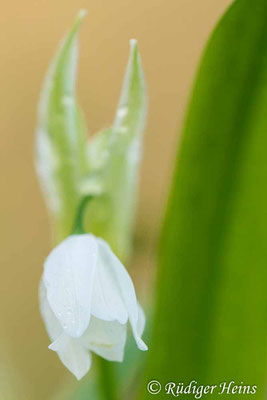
106,380
78,226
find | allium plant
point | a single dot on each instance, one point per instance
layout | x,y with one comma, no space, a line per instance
86,295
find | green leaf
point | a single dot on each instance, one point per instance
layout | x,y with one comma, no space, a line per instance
211,313
114,156
61,137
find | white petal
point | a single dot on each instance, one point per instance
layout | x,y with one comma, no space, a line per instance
107,302
117,280
73,355
68,277
60,343
107,339
52,325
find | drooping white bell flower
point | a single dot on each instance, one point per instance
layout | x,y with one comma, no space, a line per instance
86,299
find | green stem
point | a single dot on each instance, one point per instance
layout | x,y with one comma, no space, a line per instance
106,380
78,227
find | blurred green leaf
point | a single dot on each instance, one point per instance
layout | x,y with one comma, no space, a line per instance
114,156
211,314
61,138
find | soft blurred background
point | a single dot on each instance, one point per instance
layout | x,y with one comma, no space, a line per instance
171,36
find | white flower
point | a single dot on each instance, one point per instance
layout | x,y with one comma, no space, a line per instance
86,299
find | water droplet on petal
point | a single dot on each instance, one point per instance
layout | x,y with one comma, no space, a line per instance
122,111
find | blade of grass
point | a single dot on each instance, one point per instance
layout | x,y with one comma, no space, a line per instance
211,313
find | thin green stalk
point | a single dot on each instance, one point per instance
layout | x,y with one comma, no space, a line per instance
78,226
106,380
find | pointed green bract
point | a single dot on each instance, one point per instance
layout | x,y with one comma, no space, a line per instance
106,167
114,156
211,321
61,139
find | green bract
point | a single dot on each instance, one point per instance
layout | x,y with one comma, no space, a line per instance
114,156
69,168
61,141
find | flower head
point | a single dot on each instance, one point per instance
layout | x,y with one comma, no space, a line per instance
86,298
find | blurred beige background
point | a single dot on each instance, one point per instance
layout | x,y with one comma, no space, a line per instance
171,35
